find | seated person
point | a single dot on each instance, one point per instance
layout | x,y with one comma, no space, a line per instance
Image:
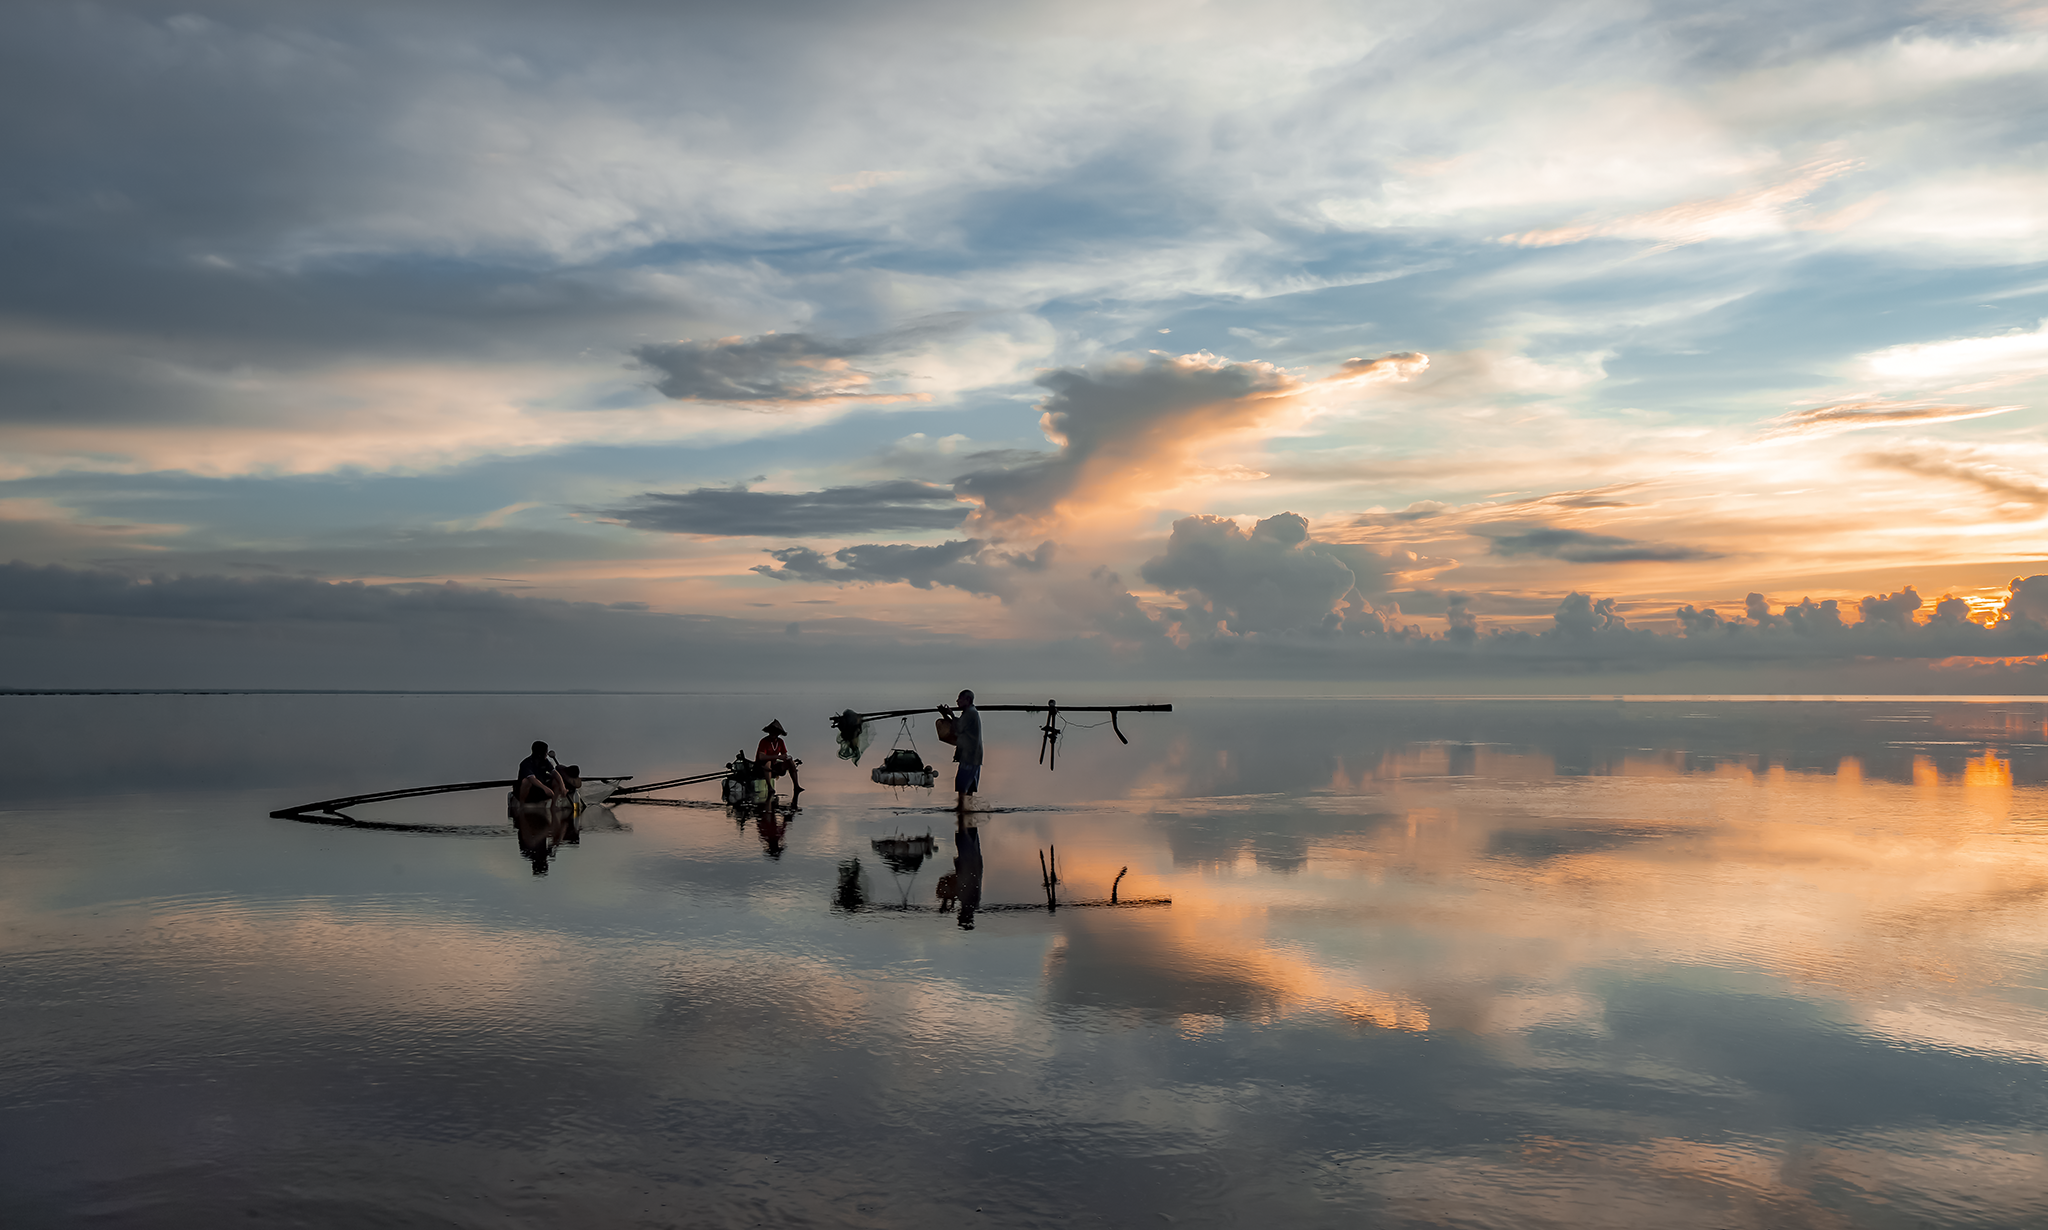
538,778
773,757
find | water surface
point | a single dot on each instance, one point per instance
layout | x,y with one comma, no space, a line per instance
1506,964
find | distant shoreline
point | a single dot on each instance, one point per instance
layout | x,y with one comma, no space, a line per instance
1364,697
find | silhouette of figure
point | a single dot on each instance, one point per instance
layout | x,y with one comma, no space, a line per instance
538,777
773,759
771,824
541,833
966,748
967,871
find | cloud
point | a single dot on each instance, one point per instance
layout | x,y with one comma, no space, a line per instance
1860,415
1268,580
1128,421
1130,426
2006,355
54,589
1580,547
1968,466
1769,210
1896,609
64,627
70,627
969,564
1581,615
772,369
900,504
2027,599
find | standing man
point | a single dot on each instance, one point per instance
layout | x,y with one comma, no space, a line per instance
966,748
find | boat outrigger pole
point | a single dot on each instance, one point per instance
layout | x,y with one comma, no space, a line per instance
850,722
697,779
332,807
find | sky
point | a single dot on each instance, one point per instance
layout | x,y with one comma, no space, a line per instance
617,344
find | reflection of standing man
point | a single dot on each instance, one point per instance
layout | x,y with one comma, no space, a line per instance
966,748
967,871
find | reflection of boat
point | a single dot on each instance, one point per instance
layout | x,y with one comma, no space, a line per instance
591,792
905,854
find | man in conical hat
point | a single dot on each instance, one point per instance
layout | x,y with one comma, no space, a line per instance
773,758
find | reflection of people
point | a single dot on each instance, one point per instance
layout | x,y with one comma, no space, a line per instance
538,778
967,871
770,823
541,832
966,748
774,759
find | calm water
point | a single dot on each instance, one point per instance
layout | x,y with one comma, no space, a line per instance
1425,964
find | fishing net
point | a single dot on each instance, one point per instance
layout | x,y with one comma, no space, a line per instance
853,735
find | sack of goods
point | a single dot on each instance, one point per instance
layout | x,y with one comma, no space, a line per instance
904,767
904,760
946,729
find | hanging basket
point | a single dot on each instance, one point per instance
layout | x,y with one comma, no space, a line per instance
904,766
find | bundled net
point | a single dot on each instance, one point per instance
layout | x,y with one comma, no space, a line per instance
853,735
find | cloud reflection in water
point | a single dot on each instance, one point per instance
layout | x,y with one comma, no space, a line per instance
1528,963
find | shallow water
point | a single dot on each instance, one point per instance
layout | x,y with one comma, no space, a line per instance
1424,963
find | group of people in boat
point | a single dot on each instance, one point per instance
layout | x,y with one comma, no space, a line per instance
544,779
541,777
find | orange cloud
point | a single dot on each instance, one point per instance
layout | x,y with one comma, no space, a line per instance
1129,428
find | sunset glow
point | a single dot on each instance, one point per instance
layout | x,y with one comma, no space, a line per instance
1504,316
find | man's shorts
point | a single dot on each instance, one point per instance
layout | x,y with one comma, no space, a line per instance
967,779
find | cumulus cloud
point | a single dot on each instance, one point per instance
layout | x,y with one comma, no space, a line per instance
1131,425
1862,415
1895,609
1581,547
1461,623
2027,599
772,369
1581,615
1270,579
901,504
1694,622
1275,580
